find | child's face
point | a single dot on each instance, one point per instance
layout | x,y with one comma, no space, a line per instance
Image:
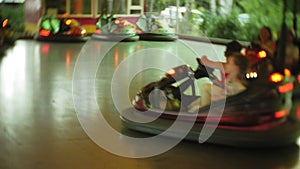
230,67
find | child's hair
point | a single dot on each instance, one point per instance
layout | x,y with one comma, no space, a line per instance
233,47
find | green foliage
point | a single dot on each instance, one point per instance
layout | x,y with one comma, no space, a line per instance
226,26
251,29
261,13
264,13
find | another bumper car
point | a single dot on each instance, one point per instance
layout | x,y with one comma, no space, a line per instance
7,37
153,29
63,30
112,29
258,117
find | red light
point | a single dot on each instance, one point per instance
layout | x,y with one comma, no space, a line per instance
65,14
171,72
4,23
98,31
298,78
280,114
262,54
276,77
139,31
286,88
44,32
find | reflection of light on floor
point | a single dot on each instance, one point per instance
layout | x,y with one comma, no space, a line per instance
98,46
13,83
138,47
116,57
13,71
45,48
68,60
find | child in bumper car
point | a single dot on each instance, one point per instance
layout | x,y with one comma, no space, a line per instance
233,77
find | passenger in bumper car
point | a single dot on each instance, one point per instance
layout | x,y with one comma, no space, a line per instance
265,40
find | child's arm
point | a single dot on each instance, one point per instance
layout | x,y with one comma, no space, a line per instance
212,64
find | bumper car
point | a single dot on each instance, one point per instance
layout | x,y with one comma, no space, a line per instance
258,117
7,35
63,30
153,29
112,29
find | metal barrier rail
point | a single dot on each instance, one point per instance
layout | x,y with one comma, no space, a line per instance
219,41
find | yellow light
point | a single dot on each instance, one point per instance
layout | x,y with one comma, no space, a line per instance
68,21
276,77
171,72
262,54
4,23
287,72
117,22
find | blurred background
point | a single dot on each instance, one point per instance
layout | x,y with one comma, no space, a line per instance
229,19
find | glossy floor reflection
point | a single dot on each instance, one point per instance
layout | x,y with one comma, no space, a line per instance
39,126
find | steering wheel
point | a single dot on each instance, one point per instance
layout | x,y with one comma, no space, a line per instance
205,71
